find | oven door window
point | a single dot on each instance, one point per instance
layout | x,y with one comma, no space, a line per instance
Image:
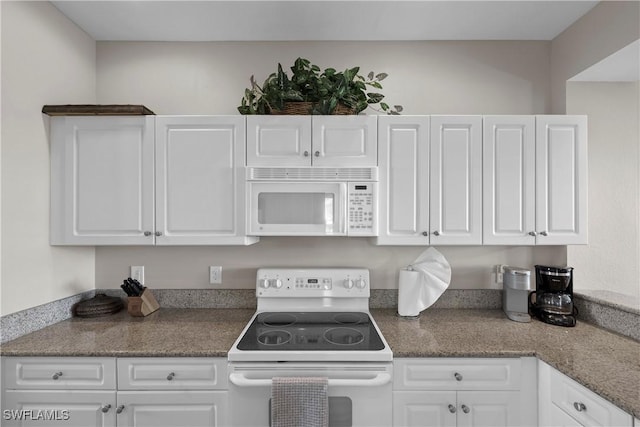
340,411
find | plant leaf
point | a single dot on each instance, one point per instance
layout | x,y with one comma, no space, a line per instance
370,76
381,76
398,108
384,106
374,98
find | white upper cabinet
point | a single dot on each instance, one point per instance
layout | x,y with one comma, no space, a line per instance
329,141
403,149
345,141
166,180
200,180
509,180
102,180
561,180
456,180
278,140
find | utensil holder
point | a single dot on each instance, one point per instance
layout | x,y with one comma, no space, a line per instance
143,305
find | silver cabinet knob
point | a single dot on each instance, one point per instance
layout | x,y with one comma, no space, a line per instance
158,233
436,233
533,233
119,409
148,233
465,409
306,154
544,233
457,376
425,233
57,375
105,408
580,407
317,154
170,376
452,409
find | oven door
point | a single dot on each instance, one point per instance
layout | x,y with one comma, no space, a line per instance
359,394
297,208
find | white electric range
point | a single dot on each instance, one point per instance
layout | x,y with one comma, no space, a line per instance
313,322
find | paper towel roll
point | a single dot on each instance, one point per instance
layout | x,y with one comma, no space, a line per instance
423,282
408,288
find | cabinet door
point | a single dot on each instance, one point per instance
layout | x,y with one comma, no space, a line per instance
488,408
561,180
78,408
508,180
349,141
456,180
171,409
424,409
200,180
102,180
278,141
403,147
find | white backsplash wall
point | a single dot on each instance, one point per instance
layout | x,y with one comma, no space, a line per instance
188,267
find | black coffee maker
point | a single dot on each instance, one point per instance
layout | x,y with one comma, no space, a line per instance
554,295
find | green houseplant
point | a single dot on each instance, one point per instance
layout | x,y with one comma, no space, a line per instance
322,92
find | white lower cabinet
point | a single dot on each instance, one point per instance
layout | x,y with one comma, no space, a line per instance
464,392
82,392
564,402
171,408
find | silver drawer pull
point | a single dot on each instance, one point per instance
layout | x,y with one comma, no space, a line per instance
170,376
119,409
105,408
57,375
580,407
147,233
544,233
452,409
306,154
458,376
465,409
436,233
533,233
317,154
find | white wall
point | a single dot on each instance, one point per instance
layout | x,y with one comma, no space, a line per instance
425,77
611,261
605,29
45,60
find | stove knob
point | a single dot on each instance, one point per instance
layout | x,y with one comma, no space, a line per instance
275,283
348,283
264,283
361,283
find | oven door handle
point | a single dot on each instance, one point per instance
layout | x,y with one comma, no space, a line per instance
379,380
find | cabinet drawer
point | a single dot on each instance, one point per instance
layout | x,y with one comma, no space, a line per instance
457,374
172,374
585,406
47,373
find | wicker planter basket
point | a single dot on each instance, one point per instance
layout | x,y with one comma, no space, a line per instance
305,107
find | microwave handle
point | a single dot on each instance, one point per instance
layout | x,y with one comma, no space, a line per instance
380,379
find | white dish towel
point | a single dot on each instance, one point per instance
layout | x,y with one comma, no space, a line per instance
299,402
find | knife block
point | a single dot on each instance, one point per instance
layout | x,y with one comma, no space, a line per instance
143,305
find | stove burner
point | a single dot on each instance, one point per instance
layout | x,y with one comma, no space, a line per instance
279,319
343,336
275,337
349,318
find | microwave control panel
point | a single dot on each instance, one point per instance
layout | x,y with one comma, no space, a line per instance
362,209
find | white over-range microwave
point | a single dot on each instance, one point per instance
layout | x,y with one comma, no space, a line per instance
312,201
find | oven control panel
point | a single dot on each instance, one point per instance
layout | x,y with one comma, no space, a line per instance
312,282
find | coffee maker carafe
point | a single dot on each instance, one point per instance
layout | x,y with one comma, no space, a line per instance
554,295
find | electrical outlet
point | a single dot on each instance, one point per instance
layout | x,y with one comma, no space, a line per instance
498,273
137,273
215,275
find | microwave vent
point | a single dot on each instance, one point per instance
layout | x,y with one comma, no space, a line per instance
314,174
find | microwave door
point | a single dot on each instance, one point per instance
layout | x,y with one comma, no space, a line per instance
297,209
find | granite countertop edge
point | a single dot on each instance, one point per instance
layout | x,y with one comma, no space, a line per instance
437,333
